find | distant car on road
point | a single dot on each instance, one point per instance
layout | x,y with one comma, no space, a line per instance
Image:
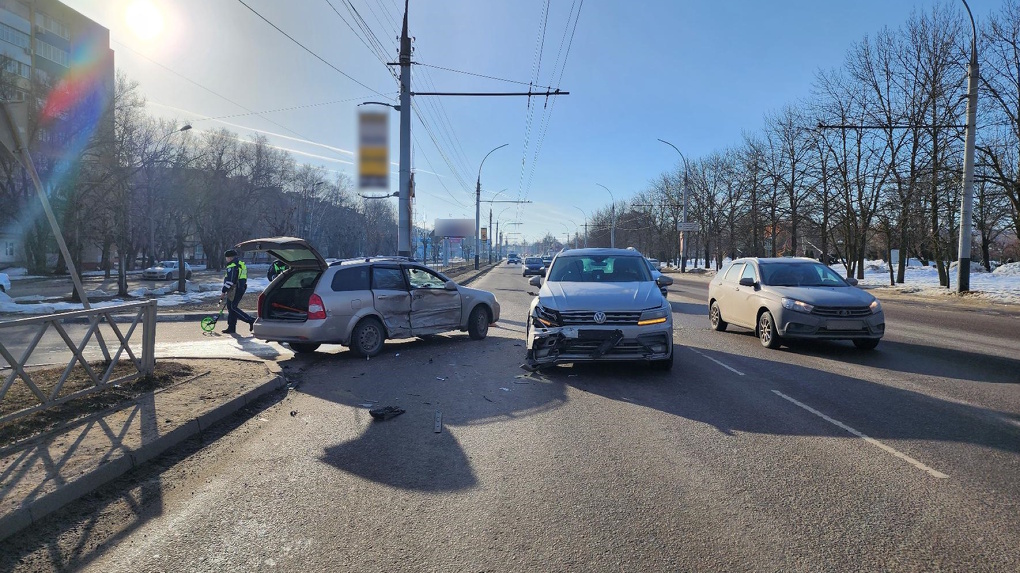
653,267
360,303
533,266
166,270
599,305
547,260
787,298
5,283
513,259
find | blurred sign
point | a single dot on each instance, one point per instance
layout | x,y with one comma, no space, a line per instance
373,150
455,228
485,233
687,226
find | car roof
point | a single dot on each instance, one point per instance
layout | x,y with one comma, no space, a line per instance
796,260
601,252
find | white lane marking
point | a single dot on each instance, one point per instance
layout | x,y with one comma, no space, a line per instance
726,366
870,440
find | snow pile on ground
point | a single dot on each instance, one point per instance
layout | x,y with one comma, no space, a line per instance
975,267
1008,270
15,272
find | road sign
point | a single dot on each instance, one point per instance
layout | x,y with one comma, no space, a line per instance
689,226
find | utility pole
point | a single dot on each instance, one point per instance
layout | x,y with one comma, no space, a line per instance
404,203
683,224
966,209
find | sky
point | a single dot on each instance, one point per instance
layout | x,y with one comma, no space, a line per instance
697,73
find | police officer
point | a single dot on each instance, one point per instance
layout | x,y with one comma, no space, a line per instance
275,269
235,282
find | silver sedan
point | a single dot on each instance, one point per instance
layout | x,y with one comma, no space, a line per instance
786,298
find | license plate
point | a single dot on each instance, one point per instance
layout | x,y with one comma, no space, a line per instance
569,331
596,334
845,325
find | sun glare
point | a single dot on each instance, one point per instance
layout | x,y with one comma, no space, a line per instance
144,19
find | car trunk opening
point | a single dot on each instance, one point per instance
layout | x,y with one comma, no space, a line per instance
287,298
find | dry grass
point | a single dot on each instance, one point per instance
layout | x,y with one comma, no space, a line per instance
20,396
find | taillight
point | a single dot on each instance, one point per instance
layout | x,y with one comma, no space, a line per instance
258,309
316,310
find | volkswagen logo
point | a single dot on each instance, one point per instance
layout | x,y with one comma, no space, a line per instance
600,317
844,312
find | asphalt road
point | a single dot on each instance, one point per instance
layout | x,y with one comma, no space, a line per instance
812,458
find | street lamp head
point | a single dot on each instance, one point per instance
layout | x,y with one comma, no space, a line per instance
185,127
396,107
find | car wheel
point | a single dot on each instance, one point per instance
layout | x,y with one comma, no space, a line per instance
304,347
715,317
866,343
188,276
168,276
767,334
664,365
478,323
367,338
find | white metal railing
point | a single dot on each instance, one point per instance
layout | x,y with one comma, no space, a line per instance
144,313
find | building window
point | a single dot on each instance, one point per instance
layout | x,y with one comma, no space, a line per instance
52,25
16,67
16,37
9,248
51,52
19,8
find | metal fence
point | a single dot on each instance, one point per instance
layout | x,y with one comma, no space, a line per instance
144,313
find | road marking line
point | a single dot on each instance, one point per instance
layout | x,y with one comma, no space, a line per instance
730,368
866,438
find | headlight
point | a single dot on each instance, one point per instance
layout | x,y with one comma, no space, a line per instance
876,307
655,316
546,317
794,304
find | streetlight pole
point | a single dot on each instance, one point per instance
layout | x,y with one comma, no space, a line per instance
966,210
478,203
404,201
683,231
585,225
612,218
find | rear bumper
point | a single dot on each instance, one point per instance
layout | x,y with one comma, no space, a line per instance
548,346
290,331
532,272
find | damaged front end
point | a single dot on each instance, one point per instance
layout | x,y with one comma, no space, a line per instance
557,339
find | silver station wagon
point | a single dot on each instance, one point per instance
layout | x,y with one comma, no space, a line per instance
362,302
787,298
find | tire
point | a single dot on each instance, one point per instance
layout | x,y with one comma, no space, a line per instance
715,317
866,343
767,334
368,337
478,322
304,347
188,276
169,276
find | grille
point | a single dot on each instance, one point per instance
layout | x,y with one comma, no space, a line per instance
587,317
842,311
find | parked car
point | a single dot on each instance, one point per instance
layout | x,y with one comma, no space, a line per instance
513,259
166,270
786,298
5,283
533,266
599,305
360,303
547,260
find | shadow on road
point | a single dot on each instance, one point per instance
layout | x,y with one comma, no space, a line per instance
690,308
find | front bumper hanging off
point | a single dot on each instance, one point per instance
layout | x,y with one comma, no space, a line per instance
558,345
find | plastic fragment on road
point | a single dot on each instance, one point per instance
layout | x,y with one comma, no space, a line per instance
397,355
487,399
386,412
505,389
293,413
438,426
440,378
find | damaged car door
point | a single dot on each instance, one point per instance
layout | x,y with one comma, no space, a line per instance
392,300
434,307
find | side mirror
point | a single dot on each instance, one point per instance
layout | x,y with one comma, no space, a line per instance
663,280
852,281
450,285
535,281
747,281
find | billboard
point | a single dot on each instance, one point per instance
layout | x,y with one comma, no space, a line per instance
373,150
455,227
485,233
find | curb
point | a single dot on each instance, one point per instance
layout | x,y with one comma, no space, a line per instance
34,511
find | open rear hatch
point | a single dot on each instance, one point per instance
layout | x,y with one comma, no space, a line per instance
287,296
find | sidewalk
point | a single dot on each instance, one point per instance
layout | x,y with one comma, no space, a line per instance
40,475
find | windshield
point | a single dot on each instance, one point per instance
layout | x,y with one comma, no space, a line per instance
800,274
604,269
532,261
168,264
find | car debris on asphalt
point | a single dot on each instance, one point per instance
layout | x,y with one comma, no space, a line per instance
385,413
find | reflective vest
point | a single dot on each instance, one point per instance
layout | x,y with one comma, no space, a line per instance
242,269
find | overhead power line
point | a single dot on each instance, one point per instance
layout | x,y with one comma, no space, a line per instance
481,75
305,48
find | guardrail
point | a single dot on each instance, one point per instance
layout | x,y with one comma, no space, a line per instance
145,313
